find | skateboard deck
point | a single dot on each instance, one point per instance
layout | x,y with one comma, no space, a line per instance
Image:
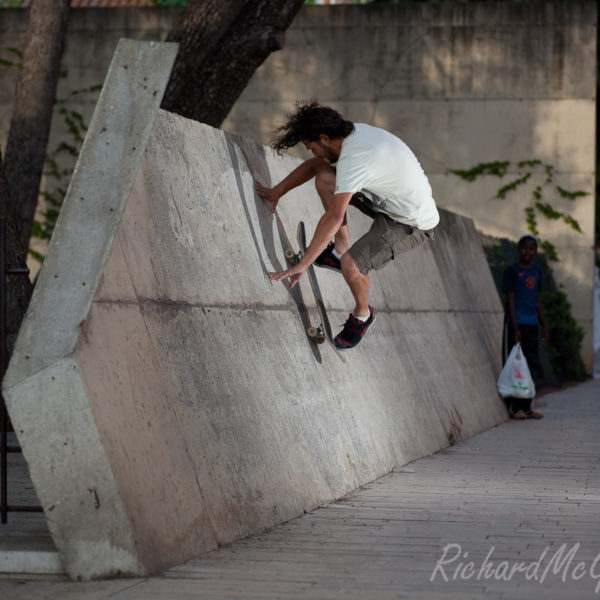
323,331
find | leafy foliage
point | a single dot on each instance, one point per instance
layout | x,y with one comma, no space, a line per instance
570,195
9,63
500,168
43,227
496,168
513,185
565,336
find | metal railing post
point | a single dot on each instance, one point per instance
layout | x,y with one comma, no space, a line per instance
4,447
3,414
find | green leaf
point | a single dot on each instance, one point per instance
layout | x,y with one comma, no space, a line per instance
571,195
548,211
496,168
94,88
572,222
513,185
78,119
550,251
531,221
39,257
529,163
552,214
74,129
64,147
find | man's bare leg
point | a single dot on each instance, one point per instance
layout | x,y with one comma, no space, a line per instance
325,184
359,285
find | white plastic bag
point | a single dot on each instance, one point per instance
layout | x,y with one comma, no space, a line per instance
515,380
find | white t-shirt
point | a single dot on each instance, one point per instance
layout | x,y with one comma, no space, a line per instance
375,160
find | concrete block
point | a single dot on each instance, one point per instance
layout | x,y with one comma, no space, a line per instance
55,425
181,402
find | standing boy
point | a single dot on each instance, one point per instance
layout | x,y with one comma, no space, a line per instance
376,172
523,318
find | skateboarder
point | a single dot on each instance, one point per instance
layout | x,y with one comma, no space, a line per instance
374,171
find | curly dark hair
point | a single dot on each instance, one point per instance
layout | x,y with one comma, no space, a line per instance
308,123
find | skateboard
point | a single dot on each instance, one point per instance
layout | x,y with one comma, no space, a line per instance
323,331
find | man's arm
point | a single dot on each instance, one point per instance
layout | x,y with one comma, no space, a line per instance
301,174
512,313
540,314
327,227
542,324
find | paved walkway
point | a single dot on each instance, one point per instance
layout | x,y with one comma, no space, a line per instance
511,513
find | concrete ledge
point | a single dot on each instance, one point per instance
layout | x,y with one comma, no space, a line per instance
30,562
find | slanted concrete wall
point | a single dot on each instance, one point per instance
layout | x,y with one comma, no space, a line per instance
174,402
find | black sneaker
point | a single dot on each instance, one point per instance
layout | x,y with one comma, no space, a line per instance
327,260
354,331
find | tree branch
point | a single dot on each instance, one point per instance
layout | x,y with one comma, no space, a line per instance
197,30
218,81
32,110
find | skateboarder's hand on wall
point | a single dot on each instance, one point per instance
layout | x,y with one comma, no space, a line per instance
294,273
269,195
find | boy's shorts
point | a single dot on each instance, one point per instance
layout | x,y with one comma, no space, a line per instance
385,240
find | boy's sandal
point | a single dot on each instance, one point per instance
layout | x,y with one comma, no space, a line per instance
519,415
531,414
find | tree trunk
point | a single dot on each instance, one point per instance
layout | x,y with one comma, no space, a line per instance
217,82
32,111
19,287
199,27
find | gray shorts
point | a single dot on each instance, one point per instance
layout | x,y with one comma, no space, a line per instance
385,240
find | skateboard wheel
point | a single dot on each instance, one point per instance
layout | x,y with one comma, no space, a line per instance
289,255
315,335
